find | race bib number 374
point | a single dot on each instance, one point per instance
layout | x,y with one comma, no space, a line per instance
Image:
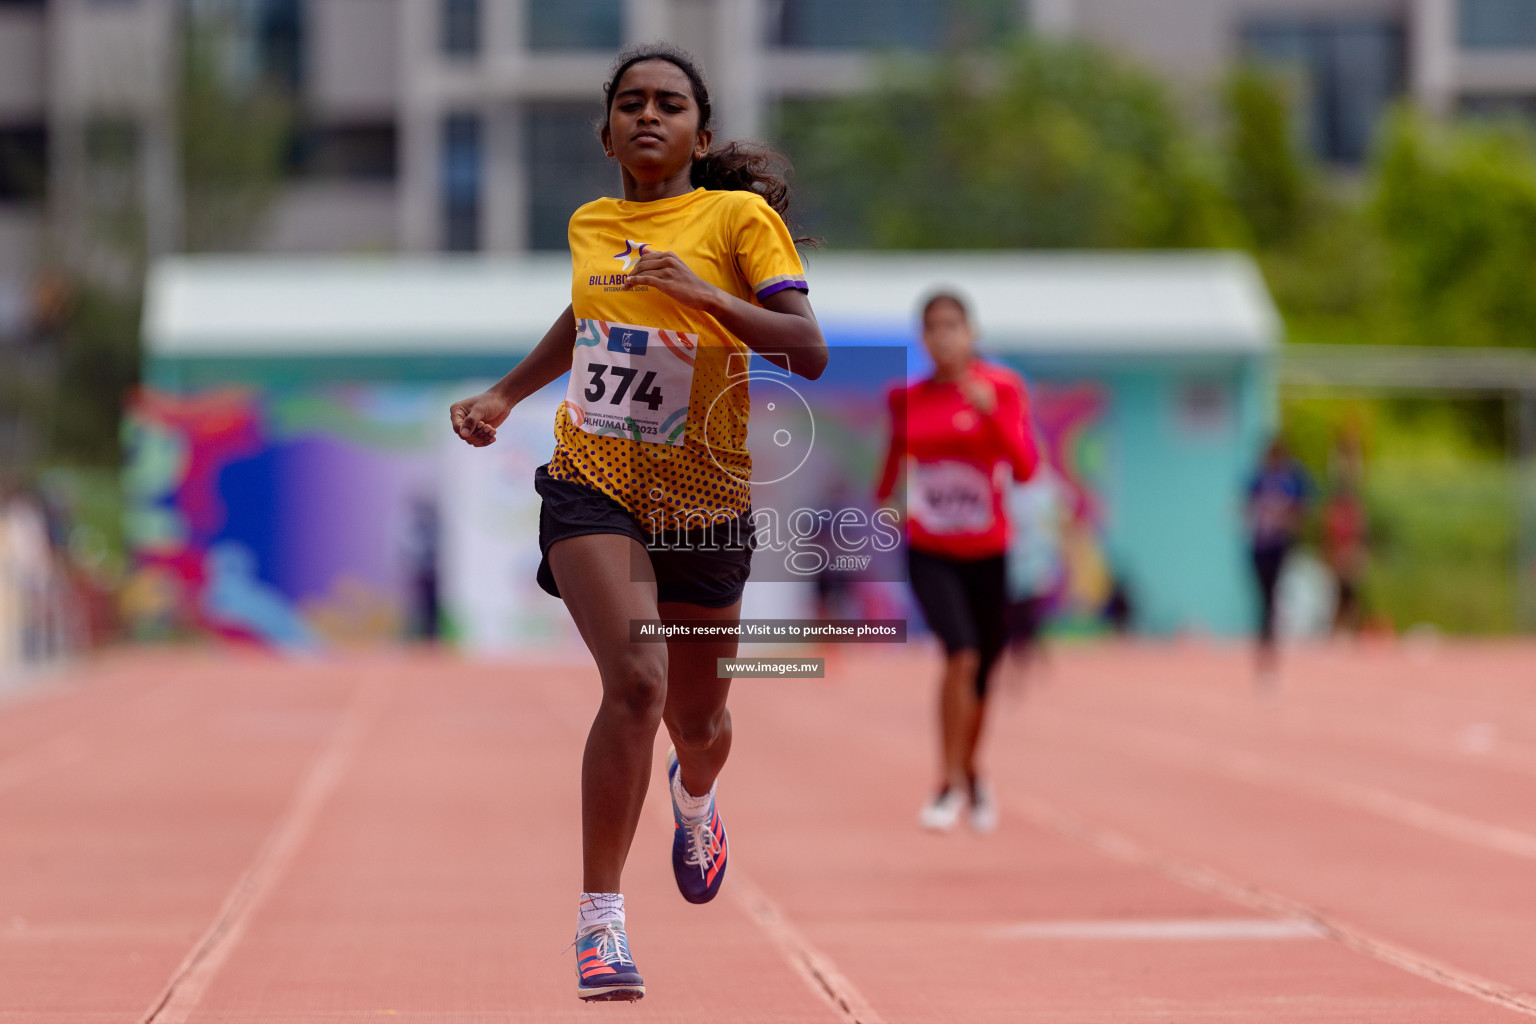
629,381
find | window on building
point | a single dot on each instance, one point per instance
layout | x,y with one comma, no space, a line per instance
1500,107
1493,24
23,163
461,27
463,174
898,24
1349,72
576,25
279,32
349,152
566,168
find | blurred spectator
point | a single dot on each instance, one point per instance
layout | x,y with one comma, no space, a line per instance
1278,496
27,581
1120,608
10,589
1037,566
423,544
51,298
42,613
1346,538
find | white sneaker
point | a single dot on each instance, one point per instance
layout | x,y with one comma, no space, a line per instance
943,811
983,810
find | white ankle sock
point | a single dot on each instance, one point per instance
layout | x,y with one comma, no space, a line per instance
598,908
690,806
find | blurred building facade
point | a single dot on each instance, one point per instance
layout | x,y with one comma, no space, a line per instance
465,125
1353,57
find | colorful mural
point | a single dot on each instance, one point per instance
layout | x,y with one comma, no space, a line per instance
305,517
286,519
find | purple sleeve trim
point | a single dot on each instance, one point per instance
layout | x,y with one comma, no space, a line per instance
778,286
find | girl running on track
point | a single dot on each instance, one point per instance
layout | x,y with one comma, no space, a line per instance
646,498
960,435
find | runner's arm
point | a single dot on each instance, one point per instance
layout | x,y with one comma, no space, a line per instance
476,419
1010,422
783,325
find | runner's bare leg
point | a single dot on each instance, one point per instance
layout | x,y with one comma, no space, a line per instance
594,574
696,715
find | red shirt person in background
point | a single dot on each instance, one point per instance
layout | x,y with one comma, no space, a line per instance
960,437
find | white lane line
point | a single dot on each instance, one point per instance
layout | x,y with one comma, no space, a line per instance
191,979
76,744
1472,744
59,752
20,930
1197,876
1384,804
814,967
1251,768
1175,930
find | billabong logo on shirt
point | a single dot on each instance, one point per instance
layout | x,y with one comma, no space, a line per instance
632,252
628,340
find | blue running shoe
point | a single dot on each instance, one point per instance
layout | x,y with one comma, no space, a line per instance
604,969
699,848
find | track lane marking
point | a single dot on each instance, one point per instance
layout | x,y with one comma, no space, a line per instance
815,968
818,970
1191,929
58,752
191,979
75,744
1197,876
1349,726
1243,766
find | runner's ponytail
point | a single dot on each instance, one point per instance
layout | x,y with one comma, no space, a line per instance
746,167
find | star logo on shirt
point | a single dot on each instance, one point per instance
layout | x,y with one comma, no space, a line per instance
632,252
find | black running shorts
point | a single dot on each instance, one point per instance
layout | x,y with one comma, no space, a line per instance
707,566
965,602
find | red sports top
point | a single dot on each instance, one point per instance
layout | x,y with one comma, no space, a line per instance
959,462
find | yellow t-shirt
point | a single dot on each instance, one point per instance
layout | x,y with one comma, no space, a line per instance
625,428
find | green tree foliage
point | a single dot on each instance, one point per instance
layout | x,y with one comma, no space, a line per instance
98,365
234,141
1033,145
1434,245
1456,209
1038,145
1267,176
1321,252
1443,508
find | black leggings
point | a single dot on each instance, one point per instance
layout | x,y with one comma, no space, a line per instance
1267,563
965,602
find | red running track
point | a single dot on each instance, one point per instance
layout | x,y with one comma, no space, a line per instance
205,836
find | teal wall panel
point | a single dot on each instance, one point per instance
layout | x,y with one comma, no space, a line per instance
1180,437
